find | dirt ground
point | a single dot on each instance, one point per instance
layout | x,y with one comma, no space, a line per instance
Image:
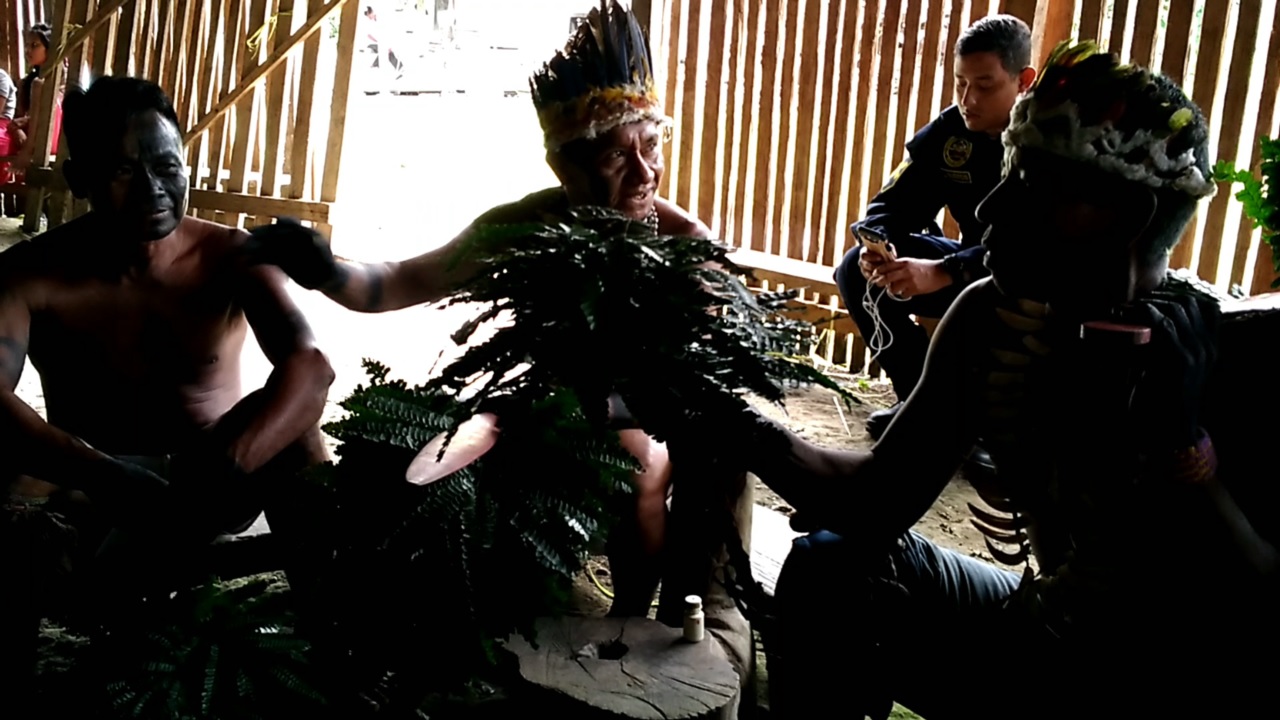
819,416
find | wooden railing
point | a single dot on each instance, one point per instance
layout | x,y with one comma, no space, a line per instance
259,89
790,114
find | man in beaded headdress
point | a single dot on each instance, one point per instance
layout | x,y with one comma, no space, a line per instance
604,128
1150,593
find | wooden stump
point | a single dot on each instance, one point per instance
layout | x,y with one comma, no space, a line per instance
627,668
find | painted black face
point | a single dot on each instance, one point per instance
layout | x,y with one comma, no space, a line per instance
142,188
1062,233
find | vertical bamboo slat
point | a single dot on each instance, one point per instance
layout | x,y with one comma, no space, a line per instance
338,115
859,187
764,132
1119,16
300,148
836,194
1177,40
1091,20
686,175
1212,36
714,111
275,107
744,194
735,62
823,150
1266,121
1144,33
1233,109
956,23
788,115
798,200
906,81
884,86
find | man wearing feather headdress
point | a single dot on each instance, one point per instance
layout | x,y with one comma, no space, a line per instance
1143,586
603,127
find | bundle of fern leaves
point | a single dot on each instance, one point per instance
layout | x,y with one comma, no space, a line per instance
604,304
422,581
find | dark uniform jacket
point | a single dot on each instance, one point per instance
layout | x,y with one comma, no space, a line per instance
946,165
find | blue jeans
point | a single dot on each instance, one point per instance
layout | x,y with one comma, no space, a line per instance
903,359
926,627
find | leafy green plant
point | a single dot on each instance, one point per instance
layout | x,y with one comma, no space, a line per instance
465,561
605,304
1259,196
592,307
211,653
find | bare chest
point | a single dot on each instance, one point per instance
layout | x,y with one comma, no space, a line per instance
133,335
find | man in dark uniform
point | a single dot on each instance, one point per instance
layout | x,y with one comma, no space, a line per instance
954,161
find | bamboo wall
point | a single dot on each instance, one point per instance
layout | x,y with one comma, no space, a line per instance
790,114
260,92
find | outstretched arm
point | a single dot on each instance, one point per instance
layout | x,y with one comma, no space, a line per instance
305,256
880,494
292,401
383,287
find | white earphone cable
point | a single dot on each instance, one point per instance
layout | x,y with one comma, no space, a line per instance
882,337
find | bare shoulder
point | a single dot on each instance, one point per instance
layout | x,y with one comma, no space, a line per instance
221,246
211,236
675,220
538,206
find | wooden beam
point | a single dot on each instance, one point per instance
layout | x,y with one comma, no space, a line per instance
248,82
51,180
83,33
1052,25
257,205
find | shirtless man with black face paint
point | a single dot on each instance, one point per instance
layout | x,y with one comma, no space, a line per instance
135,316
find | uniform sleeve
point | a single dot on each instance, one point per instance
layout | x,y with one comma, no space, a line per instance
912,198
966,266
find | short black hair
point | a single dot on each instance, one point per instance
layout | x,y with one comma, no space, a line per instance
96,119
43,31
1005,35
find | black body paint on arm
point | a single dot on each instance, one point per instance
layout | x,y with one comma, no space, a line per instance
373,299
341,276
13,357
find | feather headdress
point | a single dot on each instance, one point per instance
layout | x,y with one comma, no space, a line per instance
602,79
1088,106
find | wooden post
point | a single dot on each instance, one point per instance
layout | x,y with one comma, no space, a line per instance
338,112
1052,25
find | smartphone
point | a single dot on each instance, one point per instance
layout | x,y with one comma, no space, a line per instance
875,242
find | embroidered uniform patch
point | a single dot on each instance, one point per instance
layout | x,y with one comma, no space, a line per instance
956,152
960,176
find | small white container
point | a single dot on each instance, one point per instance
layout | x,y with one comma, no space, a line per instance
694,627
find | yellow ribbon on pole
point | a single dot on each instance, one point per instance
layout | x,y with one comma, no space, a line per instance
265,32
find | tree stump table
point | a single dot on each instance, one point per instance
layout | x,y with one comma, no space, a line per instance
605,667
